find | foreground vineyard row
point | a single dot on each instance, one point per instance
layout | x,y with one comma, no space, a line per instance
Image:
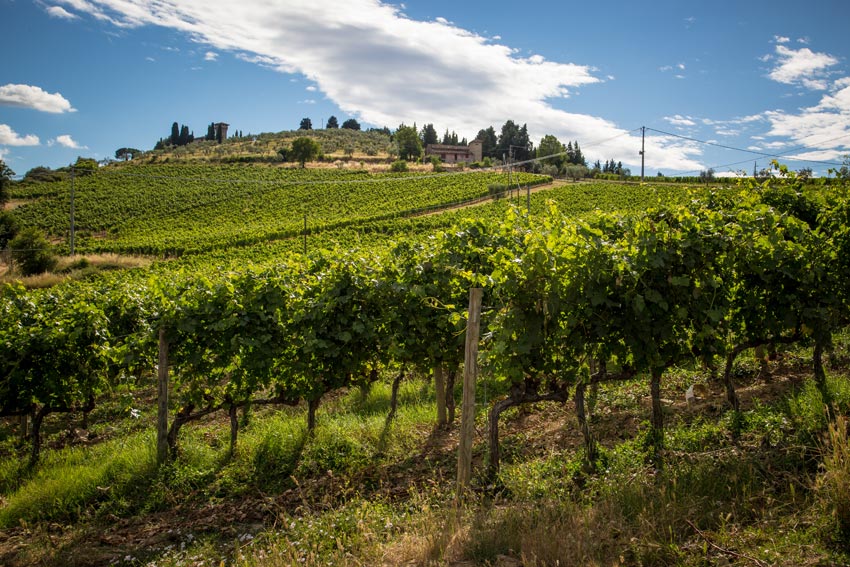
625,294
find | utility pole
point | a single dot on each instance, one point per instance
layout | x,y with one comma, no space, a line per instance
73,169
305,234
642,150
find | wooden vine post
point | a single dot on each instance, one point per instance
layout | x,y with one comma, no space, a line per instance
470,374
162,396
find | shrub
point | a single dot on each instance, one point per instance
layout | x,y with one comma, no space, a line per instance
8,228
32,253
497,190
398,166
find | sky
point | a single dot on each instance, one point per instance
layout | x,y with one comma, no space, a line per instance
726,84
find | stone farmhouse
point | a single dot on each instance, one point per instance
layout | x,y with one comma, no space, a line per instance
456,154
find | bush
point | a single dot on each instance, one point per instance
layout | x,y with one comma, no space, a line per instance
8,228
32,253
398,166
497,190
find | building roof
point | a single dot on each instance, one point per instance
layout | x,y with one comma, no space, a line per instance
446,148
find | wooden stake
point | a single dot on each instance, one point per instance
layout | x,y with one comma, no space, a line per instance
470,374
162,394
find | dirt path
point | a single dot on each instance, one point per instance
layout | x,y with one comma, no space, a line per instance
489,199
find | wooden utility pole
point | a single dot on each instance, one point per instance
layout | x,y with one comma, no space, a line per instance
470,374
73,169
642,150
162,395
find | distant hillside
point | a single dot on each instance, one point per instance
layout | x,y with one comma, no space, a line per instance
336,144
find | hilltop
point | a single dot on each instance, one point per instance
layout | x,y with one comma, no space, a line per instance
340,144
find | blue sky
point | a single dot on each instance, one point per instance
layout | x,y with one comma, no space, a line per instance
85,77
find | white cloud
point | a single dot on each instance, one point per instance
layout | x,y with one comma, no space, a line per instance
781,39
680,66
679,120
311,88
802,66
307,101
9,137
727,131
210,56
151,59
382,68
824,129
62,13
27,96
68,142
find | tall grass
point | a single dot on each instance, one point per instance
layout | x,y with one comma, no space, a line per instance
834,482
71,480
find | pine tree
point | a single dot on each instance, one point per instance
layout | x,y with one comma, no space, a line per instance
175,134
210,132
429,135
183,138
579,157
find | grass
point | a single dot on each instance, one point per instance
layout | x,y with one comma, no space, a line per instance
75,268
766,486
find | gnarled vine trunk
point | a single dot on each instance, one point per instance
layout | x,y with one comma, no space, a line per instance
440,392
394,395
450,395
312,406
517,397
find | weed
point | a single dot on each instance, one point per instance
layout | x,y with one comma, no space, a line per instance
833,485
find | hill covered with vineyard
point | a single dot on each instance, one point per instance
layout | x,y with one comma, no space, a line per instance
662,372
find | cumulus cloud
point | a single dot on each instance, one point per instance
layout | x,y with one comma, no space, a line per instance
379,65
781,39
66,141
9,137
62,13
679,120
210,56
802,66
27,96
824,129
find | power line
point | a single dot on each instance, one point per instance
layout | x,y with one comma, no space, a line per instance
763,154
